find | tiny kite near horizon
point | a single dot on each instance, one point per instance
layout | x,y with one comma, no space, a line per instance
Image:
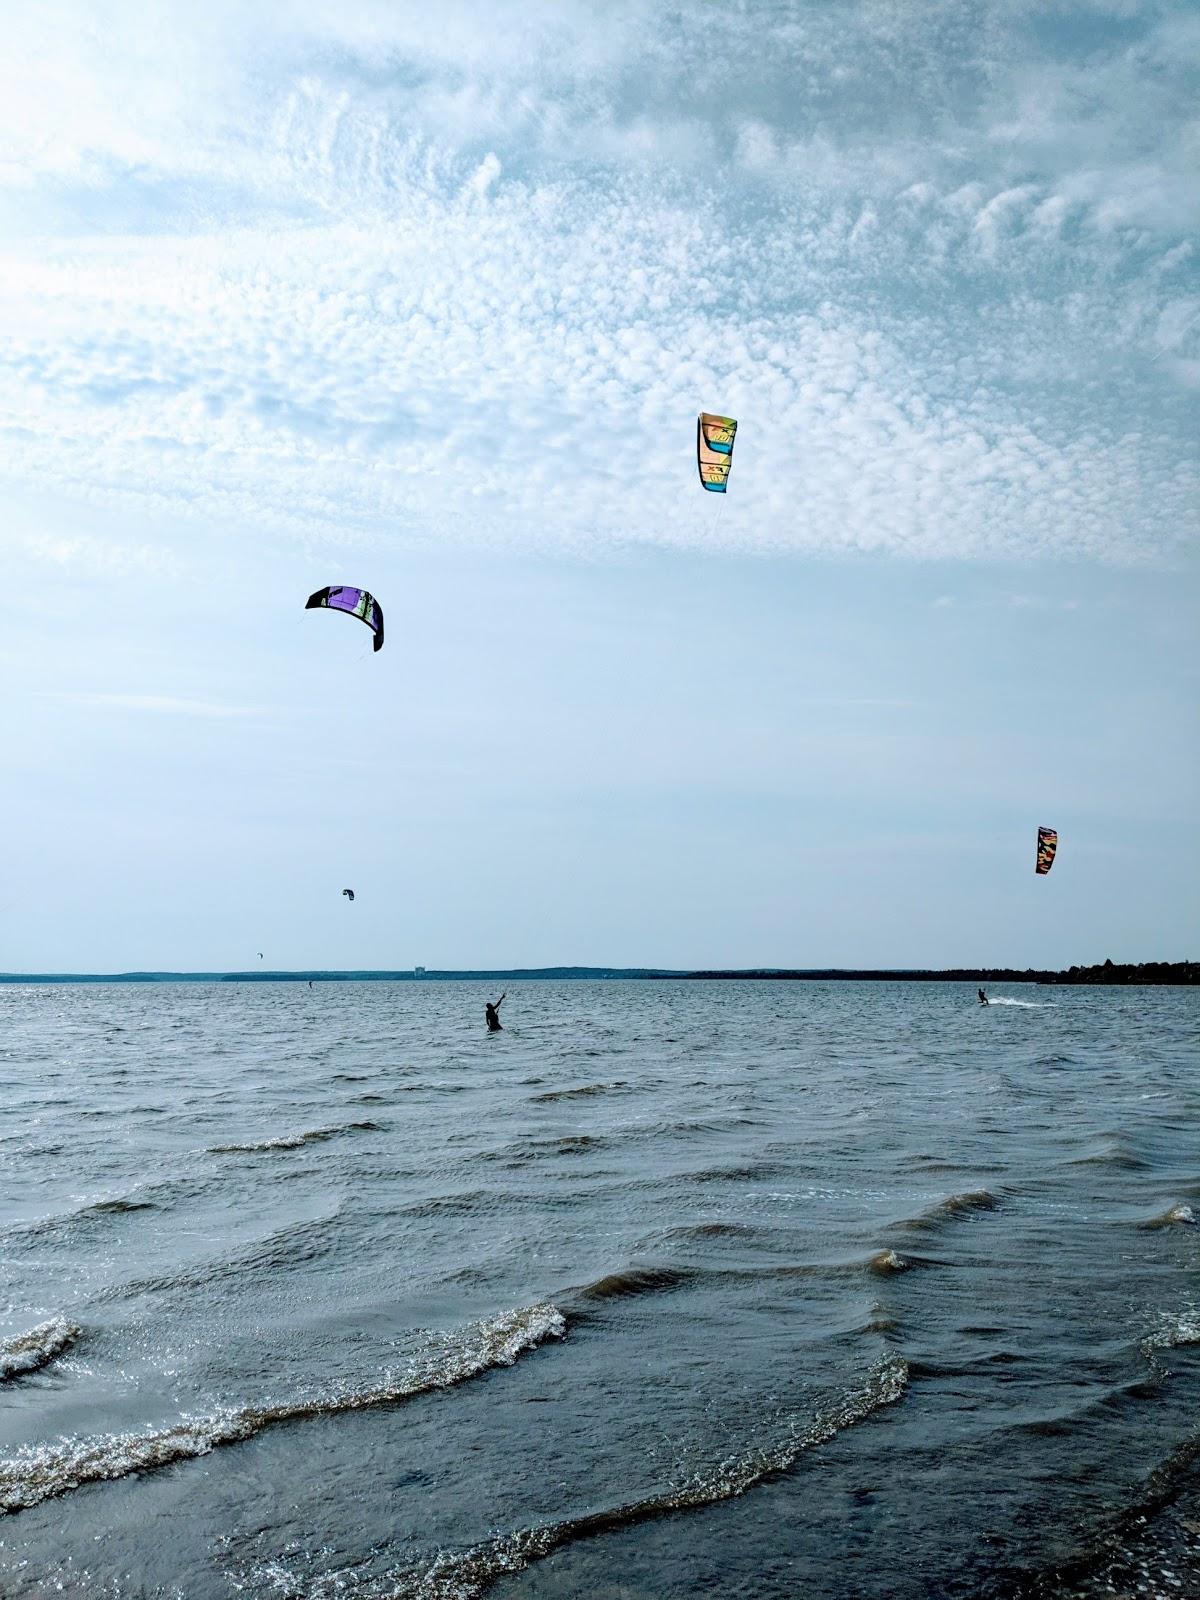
349,893
355,602
1046,846
714,450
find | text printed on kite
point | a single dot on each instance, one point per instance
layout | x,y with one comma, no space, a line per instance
354,602
1047,844
714,450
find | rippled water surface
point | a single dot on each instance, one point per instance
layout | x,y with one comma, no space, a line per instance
669,1289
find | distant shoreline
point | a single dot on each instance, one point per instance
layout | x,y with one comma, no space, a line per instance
1147,972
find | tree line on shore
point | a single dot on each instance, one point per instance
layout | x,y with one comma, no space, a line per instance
1103,972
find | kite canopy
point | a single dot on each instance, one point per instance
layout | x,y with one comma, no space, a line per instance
1047,845
349,893
356,602
714,450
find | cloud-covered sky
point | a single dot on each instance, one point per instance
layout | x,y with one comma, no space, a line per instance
428,298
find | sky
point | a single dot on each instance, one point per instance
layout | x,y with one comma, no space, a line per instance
426,300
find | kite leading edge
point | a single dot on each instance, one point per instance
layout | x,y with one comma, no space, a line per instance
355,602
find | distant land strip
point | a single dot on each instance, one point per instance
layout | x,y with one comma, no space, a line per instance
1157,972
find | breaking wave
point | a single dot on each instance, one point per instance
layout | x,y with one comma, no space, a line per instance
1170,1218
29,1352
42,1472
292,1141
1172,1331
884,1262
1146,1544
469,1573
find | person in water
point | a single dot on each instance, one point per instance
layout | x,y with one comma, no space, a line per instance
983,999
492,1013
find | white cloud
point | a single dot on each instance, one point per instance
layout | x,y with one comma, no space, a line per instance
356,272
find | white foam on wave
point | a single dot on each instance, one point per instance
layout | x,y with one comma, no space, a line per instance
28,1352
467,1574
1173,1330
888,1261
43,1471
1180,1215
1025,1005
292,1141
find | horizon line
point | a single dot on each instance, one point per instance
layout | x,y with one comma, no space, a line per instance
596,973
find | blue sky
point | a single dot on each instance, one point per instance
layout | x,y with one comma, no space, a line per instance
301,294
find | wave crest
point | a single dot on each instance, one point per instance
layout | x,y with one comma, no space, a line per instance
967,1204
29,1352
292,1141
713,1230
469,1573
1172,1331
584,1091
42,1472
1172,1217
634,1281
884,1262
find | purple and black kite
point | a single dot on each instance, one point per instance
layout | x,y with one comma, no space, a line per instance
356,602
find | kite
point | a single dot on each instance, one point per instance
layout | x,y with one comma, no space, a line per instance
1047,845
714,450
357,602
349,893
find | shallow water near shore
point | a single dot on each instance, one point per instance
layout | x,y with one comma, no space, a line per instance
669,1289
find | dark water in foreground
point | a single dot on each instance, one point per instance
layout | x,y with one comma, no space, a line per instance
767,1290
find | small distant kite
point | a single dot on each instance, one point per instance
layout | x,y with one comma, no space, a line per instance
714,450
349,893
1047,845
260,955
355,602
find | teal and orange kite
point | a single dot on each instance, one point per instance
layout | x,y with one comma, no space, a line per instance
714,450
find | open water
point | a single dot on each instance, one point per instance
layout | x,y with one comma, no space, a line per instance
670,1289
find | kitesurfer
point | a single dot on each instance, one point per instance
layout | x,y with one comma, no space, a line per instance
492,1013
983,999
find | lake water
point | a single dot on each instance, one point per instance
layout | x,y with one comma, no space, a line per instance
669,1289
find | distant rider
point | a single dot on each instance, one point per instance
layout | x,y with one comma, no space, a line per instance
492,1013
983,999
